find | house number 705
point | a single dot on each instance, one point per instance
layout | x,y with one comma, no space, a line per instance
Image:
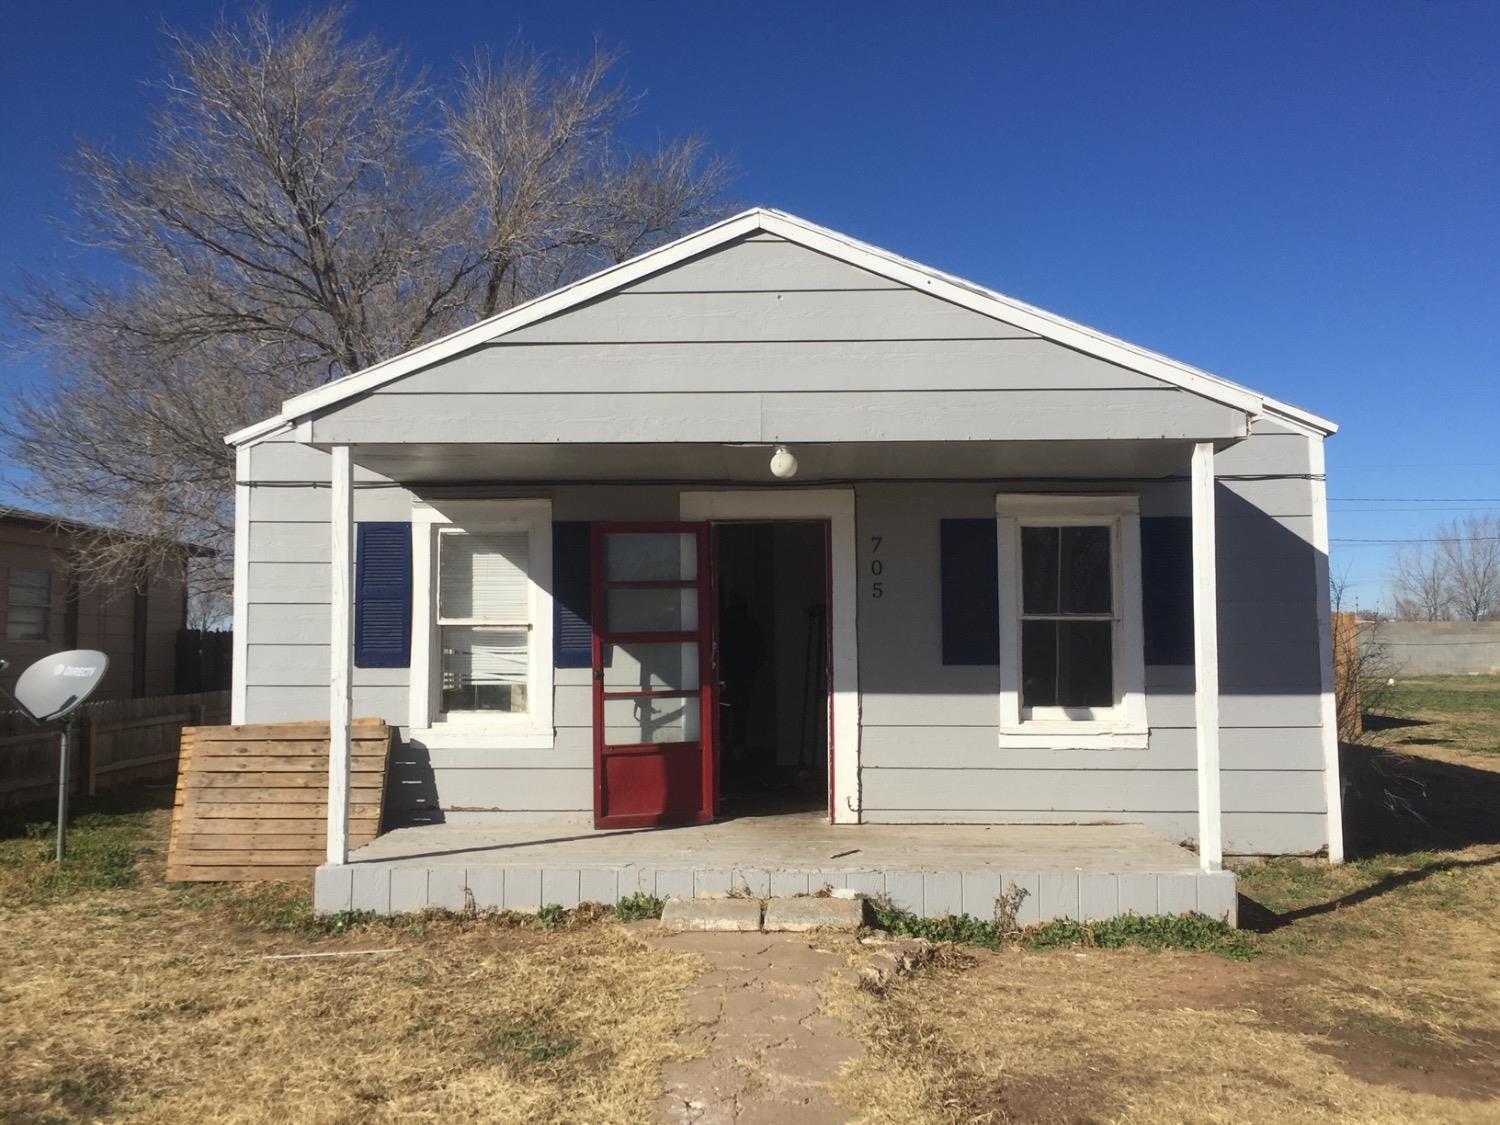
877,567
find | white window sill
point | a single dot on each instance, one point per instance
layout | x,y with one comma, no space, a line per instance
1073,736
477,735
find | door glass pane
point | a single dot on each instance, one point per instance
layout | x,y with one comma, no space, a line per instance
651,667
644,556
484,669
629,722
1067,664
651,609
1039,547
1085,585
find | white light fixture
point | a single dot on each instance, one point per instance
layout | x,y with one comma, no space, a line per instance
783,464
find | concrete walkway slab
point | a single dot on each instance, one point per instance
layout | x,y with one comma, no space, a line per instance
799,915
714,915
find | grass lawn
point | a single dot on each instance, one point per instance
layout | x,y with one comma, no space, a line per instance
1459,713
125,998
1369,992
1373,994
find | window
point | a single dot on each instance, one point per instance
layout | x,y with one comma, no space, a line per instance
482,623
1072,673
484,620
29,610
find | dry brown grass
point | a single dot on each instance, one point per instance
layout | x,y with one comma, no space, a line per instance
146,1004
1375,996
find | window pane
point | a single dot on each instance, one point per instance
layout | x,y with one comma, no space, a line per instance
643,556
630,722
30,587
484,669
484,577
652,609
1039,547
651,667
26,623
1085,659
1067,664
1085,585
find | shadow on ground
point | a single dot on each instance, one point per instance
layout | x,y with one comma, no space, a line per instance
1398,803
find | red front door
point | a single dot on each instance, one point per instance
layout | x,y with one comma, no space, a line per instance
653,698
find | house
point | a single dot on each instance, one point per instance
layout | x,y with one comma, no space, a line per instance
44,608
771,530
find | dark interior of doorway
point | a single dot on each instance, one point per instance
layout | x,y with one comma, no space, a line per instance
772,581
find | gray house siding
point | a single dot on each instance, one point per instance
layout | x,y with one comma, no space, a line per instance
768,341
929,745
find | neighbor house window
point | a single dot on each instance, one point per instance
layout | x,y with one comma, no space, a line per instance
482,623
484,620
29,608
1071,653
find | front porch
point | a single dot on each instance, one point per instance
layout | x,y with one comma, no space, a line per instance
1067,871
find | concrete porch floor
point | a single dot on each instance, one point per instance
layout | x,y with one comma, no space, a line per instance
1067,871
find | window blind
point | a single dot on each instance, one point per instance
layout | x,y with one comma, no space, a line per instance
483,577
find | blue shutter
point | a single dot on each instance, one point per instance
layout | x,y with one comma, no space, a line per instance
382,595
572,609
1167,588
970,570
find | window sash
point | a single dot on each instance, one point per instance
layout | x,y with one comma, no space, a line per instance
498,560
483,578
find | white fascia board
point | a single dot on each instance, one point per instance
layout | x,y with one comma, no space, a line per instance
1306,421
955,290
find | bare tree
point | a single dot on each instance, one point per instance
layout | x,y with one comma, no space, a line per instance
1420,584
306,207
1471,560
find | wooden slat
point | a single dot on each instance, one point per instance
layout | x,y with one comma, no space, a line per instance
259,810
200,783
252,801
284,763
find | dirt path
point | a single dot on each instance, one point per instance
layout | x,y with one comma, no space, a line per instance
770,1052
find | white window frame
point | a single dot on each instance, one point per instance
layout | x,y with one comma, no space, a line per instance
1123,725
429,722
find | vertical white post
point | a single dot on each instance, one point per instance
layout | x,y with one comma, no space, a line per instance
1206,659
341,653
1328,710
238,692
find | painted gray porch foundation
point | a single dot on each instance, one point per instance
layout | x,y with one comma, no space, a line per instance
1068,871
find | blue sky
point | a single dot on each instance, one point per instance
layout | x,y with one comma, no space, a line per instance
1299,196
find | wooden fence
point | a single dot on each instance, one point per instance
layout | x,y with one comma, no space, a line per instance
120,742
252,801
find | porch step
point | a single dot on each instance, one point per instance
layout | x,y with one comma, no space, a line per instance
746,915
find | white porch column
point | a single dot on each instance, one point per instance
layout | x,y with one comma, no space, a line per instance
1206,659
341,653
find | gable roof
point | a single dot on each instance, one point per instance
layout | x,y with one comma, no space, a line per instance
966,294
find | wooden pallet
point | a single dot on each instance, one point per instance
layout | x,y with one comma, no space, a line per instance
252,801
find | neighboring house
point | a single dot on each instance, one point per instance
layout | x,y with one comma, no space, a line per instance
585,593
44,608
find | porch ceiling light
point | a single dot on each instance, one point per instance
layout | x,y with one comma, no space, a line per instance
783,464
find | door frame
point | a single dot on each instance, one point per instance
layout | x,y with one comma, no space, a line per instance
707,688
835,506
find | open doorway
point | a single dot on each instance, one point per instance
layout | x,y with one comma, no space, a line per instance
772,633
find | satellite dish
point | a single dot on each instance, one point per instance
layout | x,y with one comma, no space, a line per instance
56,684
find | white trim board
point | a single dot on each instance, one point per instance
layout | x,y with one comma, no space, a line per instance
836,505
966,294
